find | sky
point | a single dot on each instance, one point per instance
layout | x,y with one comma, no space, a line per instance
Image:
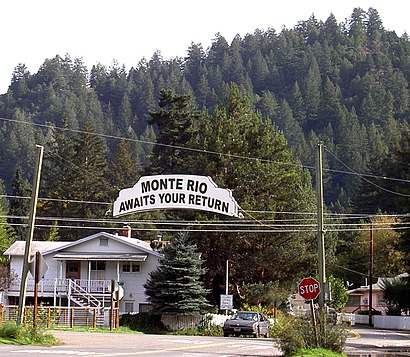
101,31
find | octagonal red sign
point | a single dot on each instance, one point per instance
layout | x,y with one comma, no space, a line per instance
309,288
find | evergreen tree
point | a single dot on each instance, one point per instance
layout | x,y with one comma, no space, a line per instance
175,286
7,235
270,182
125,169
175,123
19,204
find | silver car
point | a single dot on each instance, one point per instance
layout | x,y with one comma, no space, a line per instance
247,323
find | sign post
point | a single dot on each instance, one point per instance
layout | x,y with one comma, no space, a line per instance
309,289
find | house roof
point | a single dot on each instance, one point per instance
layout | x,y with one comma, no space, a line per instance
376,286
17,248
99,256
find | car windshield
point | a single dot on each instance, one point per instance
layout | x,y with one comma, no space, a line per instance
245,316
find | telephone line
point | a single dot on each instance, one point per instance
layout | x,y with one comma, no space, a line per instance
362,175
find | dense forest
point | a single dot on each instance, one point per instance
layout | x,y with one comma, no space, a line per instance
250,115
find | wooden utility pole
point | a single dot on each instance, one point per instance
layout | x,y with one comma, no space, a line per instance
30,233
371,258
320,228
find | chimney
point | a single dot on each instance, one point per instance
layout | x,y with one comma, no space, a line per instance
126,231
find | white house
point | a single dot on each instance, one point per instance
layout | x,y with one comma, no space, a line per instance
80,273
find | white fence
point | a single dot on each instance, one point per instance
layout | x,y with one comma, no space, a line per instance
387,322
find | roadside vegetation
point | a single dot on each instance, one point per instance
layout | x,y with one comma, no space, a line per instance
11,333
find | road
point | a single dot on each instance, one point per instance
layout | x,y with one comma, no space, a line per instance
111,345
361,341
370,341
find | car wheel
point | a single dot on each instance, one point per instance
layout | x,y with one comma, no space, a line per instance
257,334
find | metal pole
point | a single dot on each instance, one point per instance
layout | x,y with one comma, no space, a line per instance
371,255
29,238
227,278
320,228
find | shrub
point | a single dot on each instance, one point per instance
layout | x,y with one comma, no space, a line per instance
296,333
12,332
144,322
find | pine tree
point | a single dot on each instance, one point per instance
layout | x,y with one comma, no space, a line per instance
19,203
175,287
175,123
7,235
125,169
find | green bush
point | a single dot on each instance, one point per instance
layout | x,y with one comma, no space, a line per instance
257,308
296,333
10,332
144,322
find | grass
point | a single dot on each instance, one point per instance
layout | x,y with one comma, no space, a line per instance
317,352
11,333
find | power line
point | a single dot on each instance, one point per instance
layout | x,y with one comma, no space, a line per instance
368,181
203,151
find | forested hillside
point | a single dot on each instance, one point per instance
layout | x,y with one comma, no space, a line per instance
345,84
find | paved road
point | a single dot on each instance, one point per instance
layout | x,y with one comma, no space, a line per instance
111,345
370,341
361,341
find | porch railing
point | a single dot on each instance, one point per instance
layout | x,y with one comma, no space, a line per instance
90,286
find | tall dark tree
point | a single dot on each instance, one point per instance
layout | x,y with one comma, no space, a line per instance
7,235
125,169
175,122
19,203
267,180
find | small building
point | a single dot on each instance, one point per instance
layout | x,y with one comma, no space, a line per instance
359,297
80,273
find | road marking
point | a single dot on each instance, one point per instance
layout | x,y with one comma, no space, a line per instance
171,349
59,352
355,333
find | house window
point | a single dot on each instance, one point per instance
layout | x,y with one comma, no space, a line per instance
354,300
97,270
131,267
104,242
98,265
129,307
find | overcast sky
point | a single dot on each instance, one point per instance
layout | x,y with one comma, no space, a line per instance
100,31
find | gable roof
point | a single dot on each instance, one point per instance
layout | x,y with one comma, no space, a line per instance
17,248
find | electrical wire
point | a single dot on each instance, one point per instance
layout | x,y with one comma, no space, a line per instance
365,179
106,136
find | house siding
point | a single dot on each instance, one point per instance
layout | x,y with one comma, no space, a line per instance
132,283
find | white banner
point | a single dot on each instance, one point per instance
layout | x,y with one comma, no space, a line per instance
175,192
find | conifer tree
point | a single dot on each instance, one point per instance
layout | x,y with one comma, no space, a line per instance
7,235
175,287
175,122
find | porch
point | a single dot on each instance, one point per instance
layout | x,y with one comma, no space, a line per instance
69,292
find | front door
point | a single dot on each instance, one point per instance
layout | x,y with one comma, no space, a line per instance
73,269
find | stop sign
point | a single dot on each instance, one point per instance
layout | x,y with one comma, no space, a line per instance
309,288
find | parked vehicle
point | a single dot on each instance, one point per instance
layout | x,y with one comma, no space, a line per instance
247,323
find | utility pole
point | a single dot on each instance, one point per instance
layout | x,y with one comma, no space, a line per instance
227,282
320,228
30,233
371,258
